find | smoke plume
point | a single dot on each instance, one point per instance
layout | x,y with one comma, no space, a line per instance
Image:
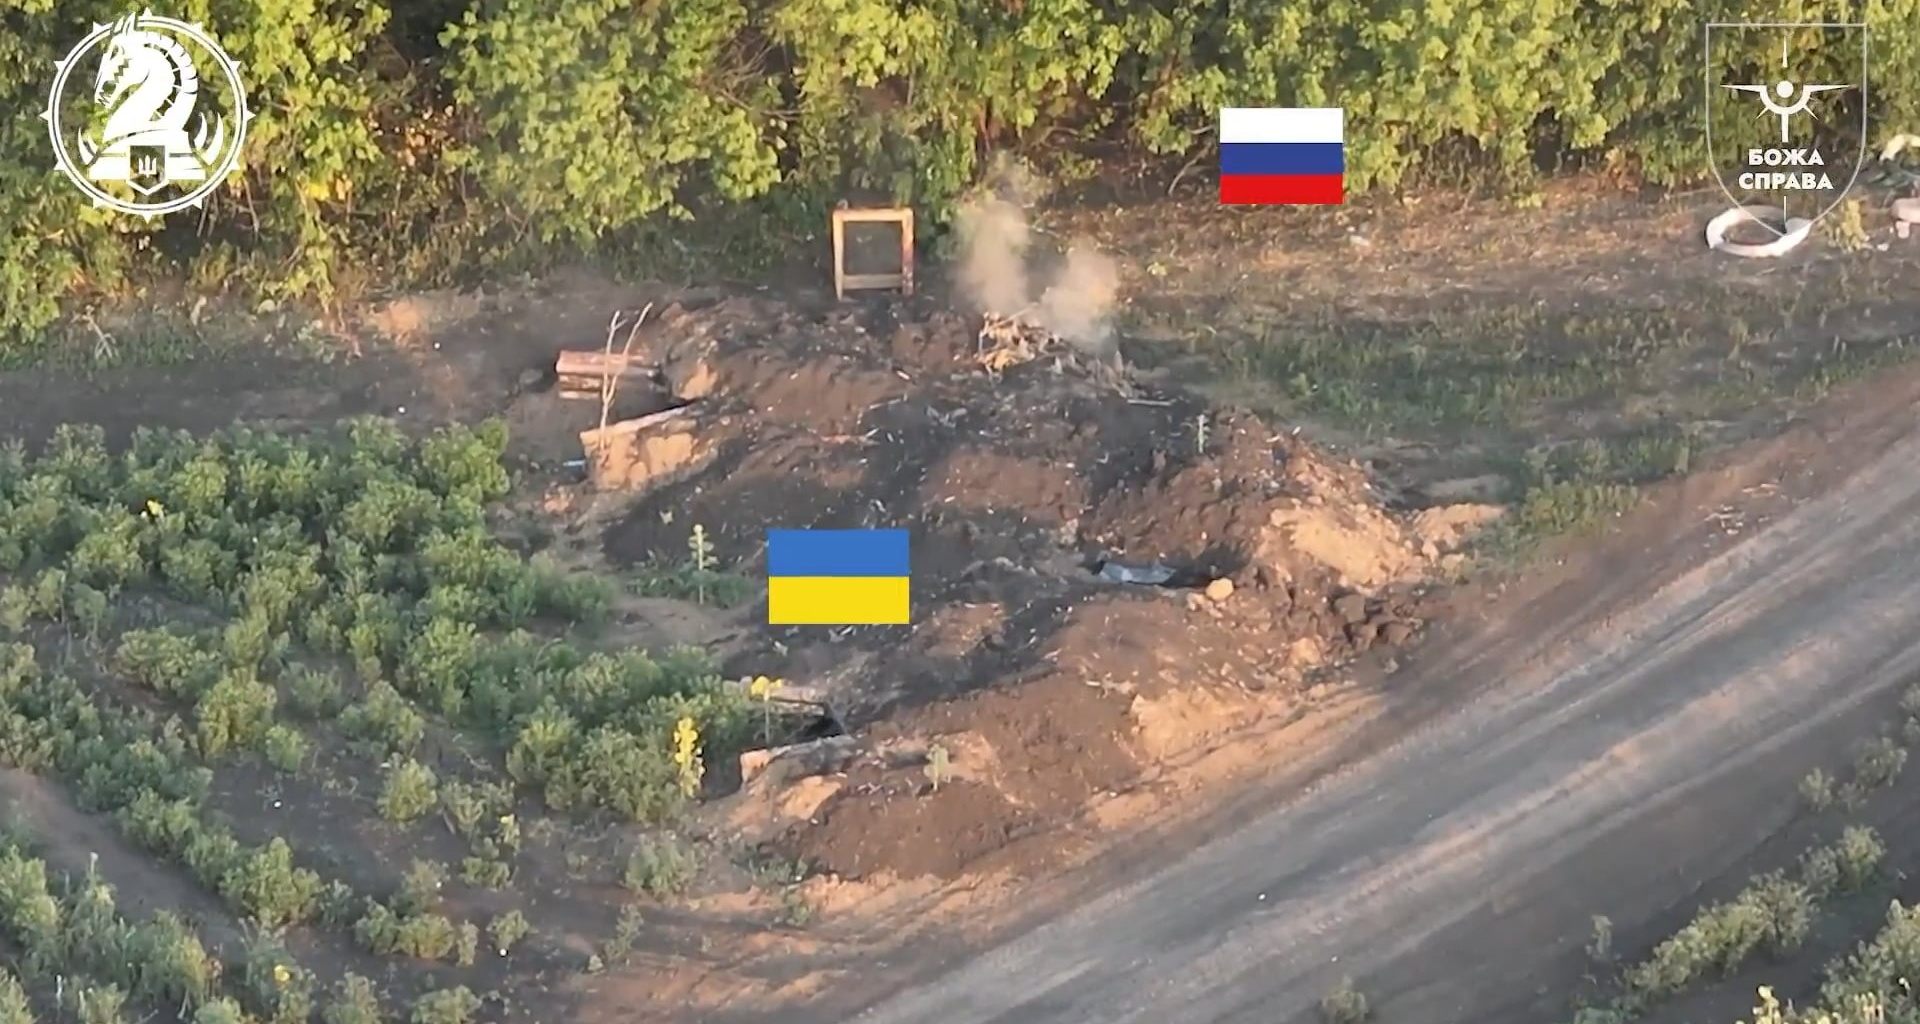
996,277
993,265
1078,305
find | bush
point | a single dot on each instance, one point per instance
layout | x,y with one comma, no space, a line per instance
1344,1005
408,792
14,1007
447,1006
1878,763
354,1001
1772,913
506,931
660,867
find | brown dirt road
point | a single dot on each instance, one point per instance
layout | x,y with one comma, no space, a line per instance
1637,729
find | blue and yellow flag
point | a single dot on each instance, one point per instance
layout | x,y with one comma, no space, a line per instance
837,577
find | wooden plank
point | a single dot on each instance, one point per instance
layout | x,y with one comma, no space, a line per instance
868,282
873,215
839,256
576,363
591,439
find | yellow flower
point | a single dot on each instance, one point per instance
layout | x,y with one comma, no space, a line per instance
154,509
281,975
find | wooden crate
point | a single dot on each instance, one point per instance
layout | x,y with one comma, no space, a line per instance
844,282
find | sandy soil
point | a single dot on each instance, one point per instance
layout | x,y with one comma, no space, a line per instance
1636,735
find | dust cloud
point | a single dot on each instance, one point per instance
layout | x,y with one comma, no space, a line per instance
1078,305
993,264
1075,302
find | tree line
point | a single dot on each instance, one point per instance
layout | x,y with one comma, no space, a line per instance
411,143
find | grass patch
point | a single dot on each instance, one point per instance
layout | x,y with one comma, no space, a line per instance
95,341
713,588
700,578
1524,368
1580,487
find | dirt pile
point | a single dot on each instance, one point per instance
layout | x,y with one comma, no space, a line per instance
1044,680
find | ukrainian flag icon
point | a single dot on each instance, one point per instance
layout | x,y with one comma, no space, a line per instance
837,578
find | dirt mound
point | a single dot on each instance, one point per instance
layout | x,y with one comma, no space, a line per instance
1022,480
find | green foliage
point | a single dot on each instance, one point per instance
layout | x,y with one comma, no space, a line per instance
660,867
399,146
699,578
1774,913
1345,1004
278,986
14,1008
292,573
506,931
275,891
408,792
420,887
425,936
353,1001
71,932
447,1006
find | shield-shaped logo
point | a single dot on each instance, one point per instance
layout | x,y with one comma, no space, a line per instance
1786,110
146,169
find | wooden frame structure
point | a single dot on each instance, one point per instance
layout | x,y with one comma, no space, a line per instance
844,282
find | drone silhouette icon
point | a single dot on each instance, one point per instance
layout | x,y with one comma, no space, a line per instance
1784,89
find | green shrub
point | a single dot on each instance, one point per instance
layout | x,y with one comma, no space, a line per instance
660,867
269,888
408,792
1877,763
285,748
14,1007
420,887
280,989
448,1006
1344,1005
353,1001
506,930
386,720
314,695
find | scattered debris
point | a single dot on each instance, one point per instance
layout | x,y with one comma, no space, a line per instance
1009,341
1899,144
1145,575
796,760
1906,213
